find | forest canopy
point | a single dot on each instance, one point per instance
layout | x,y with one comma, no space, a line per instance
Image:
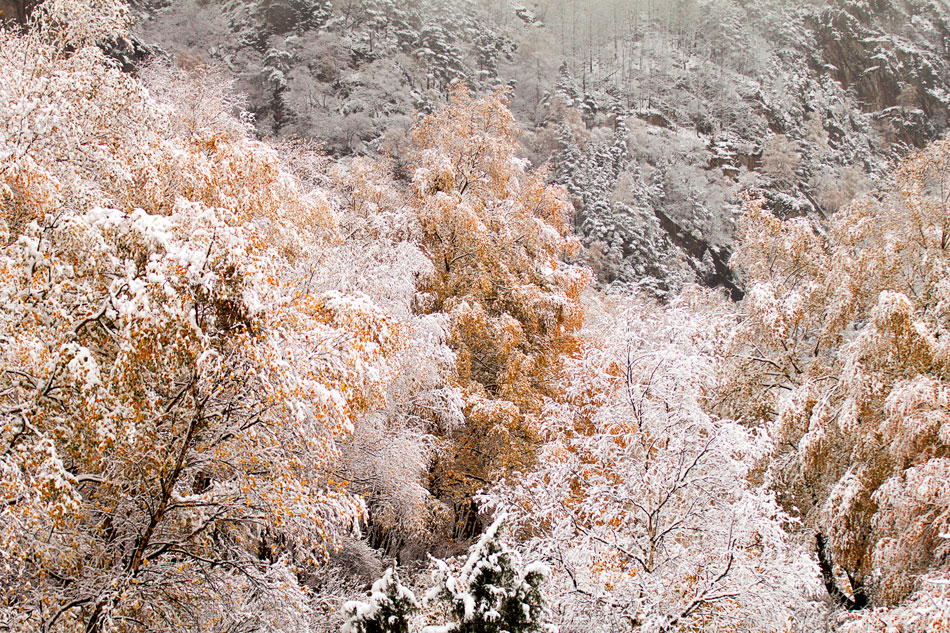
505,369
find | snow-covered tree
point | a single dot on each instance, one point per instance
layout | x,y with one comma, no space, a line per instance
497,235
843,354
255,21
388,610
172,391
494,592
388,457
645,506
781,159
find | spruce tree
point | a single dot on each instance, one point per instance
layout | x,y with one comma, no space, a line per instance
388,609
494,592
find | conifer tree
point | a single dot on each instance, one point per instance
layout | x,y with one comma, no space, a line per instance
494,592
388,609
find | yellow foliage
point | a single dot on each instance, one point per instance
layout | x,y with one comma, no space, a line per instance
844,352
498,237
171,392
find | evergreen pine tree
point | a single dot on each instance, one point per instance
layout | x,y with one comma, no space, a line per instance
388,609
494,592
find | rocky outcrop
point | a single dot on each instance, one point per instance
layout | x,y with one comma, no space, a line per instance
894,56
719,275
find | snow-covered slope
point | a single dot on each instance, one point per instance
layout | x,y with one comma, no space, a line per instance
657,116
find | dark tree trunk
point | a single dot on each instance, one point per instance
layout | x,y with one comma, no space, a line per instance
859,600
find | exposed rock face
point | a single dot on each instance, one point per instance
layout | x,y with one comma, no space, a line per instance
894,55
719,275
